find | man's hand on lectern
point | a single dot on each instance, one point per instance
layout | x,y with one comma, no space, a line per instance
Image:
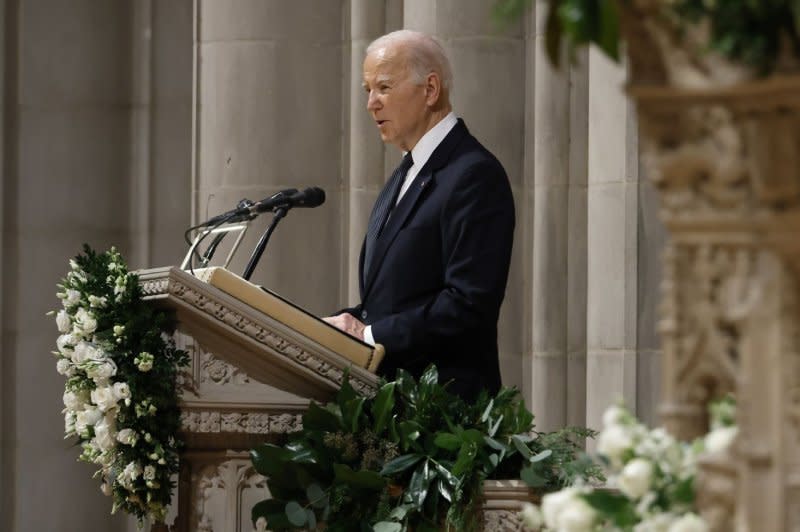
348,324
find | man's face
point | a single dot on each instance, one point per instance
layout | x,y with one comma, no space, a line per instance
395,101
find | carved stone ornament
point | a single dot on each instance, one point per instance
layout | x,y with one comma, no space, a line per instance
252,342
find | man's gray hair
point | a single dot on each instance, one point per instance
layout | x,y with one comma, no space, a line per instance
423,53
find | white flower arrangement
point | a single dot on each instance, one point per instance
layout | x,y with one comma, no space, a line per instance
650,480
120,397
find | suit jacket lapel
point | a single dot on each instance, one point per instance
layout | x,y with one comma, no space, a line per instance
423,182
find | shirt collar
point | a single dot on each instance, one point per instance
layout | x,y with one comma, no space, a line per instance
431,140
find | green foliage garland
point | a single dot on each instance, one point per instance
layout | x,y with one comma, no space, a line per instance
411,458
120,396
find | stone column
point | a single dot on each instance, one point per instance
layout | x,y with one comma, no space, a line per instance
612,241
555,231
489,86
366,154
268,117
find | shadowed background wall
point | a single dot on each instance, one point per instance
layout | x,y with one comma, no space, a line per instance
124,122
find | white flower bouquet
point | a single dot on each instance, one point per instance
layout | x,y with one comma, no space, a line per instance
650,480
120,396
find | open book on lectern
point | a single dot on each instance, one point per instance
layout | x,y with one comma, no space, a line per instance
294,316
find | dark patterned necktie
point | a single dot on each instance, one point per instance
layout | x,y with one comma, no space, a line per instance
383,206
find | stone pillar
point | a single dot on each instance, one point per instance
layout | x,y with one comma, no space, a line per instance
488,88
366,153
268,117
555,232
612,241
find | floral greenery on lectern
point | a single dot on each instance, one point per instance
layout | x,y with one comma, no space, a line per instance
414,457
756,34
120,396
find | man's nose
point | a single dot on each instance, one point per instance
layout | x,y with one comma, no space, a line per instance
372,101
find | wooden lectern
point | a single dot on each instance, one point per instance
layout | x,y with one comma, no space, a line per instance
256,362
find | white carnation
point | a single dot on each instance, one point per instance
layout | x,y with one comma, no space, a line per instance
63,321
104,398
636,478
97,302
101,371
74,401
719,440
689,523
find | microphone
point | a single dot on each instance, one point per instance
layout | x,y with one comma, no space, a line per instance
286,199
310,197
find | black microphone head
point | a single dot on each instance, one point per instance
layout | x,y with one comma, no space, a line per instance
311,197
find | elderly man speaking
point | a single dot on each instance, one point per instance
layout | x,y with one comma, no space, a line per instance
435,259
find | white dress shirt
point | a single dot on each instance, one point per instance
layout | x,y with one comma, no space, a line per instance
420,154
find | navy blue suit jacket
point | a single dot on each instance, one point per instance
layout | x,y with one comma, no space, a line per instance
440,267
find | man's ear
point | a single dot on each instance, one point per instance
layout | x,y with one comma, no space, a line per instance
433,89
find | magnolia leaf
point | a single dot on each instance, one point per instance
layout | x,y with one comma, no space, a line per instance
617,505
531,478
358,479
268,459
430,377
296,513
419,484
400,464
540,456
473,436
446,475
466,456
317,418
387,526
444,490
448,441
382,406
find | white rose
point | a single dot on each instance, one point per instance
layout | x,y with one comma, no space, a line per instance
613,416
689,523
85,320
531,517
74,401
81,353
65,343
121,390
101,371
104,398
104,435
96,353
63,321
65,367
127,436
132,471
576,516
719,440
73,296
106,489
554,503
118,330
614,441
149,473
636,478
86,418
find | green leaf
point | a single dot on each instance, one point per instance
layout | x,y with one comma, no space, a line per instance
430,377
617,506
296,513
386,526
494,444
317,418
268,459
446,475
447,441
382,406
540,456
608,38
358,479
269,509
531,478
317,496
351,414
495,426
409,433
521,446
444,490
487,411
400,464
419,484
311,518
472,436
466,456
